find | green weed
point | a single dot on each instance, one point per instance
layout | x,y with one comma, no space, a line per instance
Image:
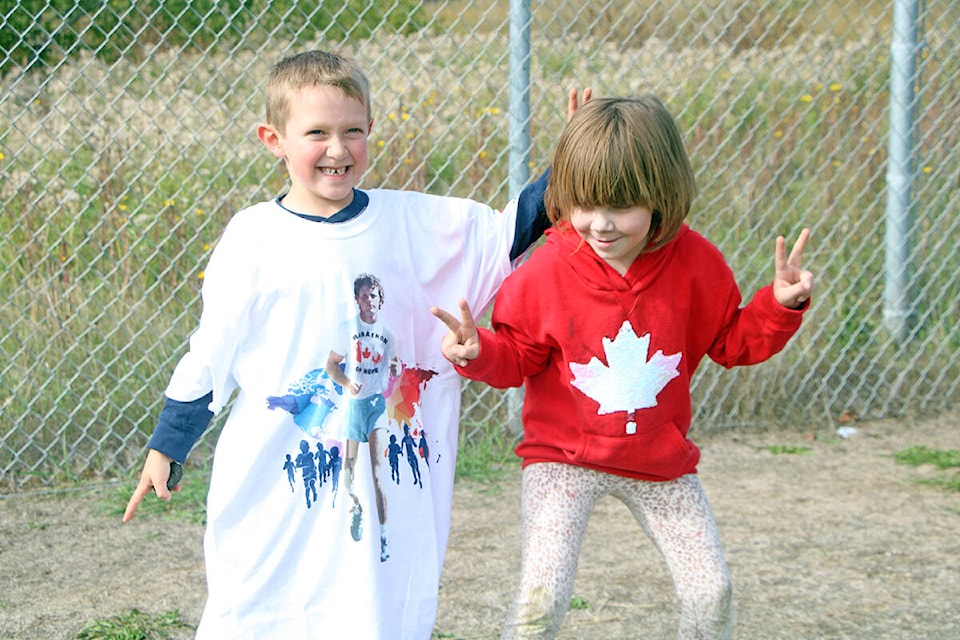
134,625
945,460
947,483
487,455
785,449
920,455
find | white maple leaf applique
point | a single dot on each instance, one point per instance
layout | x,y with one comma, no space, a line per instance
628,381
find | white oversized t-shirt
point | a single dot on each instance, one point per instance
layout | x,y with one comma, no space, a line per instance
281,556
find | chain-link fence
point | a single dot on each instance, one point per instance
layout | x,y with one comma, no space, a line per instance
126,142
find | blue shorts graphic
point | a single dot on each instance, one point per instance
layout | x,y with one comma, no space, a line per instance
362,416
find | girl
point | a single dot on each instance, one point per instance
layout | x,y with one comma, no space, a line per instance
606,324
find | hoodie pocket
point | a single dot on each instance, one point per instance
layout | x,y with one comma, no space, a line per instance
661,451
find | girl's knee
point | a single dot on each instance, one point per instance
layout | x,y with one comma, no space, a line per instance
709,614
537,614
722,592
722,596
716,598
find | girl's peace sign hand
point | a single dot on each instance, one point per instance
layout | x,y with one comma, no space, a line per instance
462,342
792,285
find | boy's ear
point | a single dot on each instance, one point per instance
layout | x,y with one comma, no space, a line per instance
270,137
370,127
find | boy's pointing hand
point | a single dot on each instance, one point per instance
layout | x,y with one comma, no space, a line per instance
462,342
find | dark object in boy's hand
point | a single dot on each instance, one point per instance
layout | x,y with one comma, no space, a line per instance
176,472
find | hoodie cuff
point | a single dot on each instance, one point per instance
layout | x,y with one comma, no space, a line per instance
180,425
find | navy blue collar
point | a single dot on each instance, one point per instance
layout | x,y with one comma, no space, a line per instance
349,212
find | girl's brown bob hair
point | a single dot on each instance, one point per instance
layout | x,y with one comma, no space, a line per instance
620,153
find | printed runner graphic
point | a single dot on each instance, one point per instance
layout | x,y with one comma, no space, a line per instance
376,399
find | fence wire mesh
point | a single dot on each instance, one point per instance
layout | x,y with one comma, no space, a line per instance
127,141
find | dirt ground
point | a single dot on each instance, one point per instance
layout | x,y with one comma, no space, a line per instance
837,542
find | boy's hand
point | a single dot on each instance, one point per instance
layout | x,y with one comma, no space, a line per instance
573,102
462,342
156,472
792,286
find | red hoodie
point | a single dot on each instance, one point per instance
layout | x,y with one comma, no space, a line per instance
607,359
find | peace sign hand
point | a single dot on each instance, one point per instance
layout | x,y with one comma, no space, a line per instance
792,285
462,342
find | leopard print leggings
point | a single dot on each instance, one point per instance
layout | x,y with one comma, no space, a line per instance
557,502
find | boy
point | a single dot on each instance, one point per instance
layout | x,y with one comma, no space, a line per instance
277,294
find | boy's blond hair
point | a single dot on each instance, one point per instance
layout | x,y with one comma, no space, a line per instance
312,69
621,153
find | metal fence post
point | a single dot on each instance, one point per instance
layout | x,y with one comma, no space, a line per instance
897,308
519,163
519,95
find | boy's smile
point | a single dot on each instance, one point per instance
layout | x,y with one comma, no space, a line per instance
324,147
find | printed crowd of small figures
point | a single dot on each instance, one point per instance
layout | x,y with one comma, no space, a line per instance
324,464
